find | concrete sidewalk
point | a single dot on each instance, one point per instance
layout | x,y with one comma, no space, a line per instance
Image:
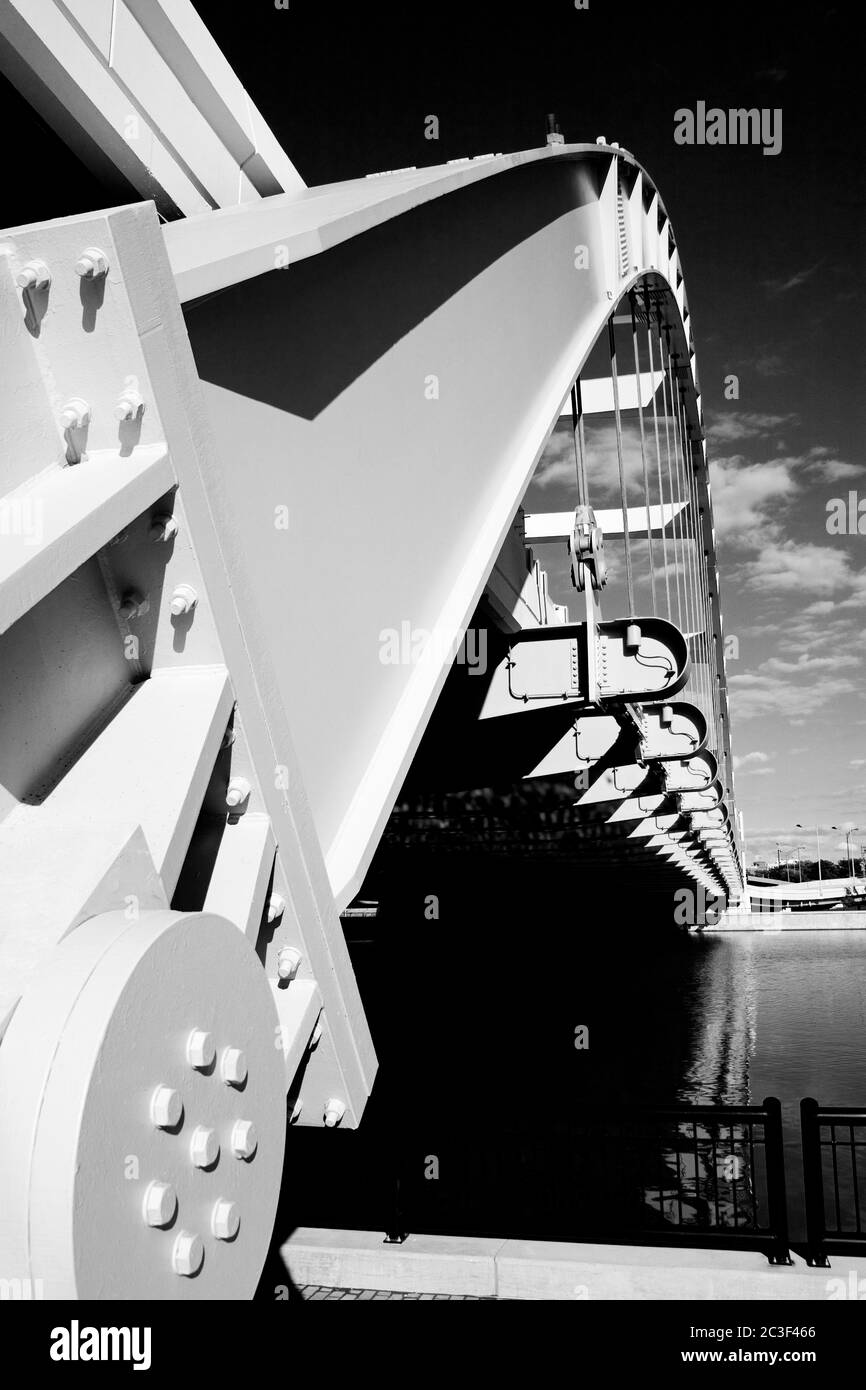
509,1269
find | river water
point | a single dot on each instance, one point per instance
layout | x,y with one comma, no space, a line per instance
779,1014
482,1086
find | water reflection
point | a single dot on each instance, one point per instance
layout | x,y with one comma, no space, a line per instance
724,1000
488,1113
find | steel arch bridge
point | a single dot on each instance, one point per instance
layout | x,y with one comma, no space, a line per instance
263,504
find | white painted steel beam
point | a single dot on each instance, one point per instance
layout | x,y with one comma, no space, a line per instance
462,468
49,528
544,528
140,85
596,393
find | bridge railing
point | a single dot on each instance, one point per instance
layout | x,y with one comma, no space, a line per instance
681,1175
834,1170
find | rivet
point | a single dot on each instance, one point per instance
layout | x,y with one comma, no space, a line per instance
166,1107
130,604
183,600
238,791
334,1112
288,962
225,1219
296,1112
91,262
35,275
75,414
187,1257
160,1203
204,1149
200,1049
130,404
244,1140
316,1036
276,907
233,1067
163,528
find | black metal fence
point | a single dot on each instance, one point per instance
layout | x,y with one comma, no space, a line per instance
834,1170
679,1175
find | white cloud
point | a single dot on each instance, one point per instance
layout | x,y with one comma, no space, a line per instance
798,567
771,364
731,426
749,760
557,464
747,499
792,282
755,694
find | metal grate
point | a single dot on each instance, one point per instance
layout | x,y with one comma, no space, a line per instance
834,1169
682,1175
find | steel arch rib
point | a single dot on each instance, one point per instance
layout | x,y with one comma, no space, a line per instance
466,279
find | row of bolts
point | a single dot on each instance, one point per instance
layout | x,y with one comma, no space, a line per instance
166,1111
91,264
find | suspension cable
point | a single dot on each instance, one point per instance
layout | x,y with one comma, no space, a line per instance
695,554
691,553
705,599
701,595
675,518
629,581
643,455
649,340
579,443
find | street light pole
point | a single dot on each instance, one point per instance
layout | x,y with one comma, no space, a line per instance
800,862
848,834
818,840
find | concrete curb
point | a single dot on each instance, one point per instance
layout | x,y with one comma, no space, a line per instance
518,1269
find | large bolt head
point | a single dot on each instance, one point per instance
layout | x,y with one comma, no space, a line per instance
200,1049
334,1112
225,1219
238,791
35,275
204,1148
91,262
131,604
187,1256
244,1140
75,414
166,1107
183,600
160,1203
233,1067
129,405
288,962
163,528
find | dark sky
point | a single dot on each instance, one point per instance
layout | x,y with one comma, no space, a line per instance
347,88
772,247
